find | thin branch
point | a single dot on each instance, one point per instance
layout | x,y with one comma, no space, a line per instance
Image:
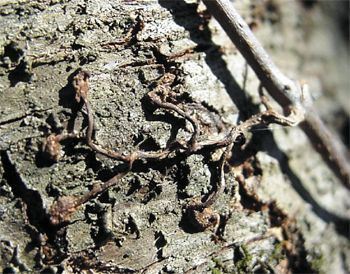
285,91
221,184
62,209
81,86
281,88
158,97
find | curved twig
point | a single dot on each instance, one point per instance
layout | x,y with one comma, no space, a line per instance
285,91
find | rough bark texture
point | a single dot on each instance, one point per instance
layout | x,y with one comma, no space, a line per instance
282,210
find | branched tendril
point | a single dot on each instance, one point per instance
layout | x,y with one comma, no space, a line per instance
161,97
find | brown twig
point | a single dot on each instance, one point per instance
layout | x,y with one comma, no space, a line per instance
159,95
81,86
220,187
200,213
285,91
65,206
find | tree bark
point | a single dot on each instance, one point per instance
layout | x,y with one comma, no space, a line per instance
282,209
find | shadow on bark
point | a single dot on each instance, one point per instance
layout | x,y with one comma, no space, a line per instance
186,15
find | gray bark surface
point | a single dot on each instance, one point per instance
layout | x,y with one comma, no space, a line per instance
282,210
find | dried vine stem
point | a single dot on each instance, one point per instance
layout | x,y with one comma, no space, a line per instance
161,97
65,206
285,91
158,97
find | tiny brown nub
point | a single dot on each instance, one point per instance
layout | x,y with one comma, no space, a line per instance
81,85
62,209
202,219
52,147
